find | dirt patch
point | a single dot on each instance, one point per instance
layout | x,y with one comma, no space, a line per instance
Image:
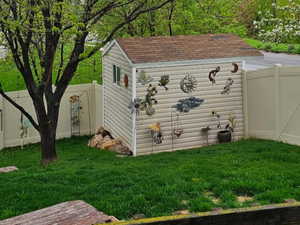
243,199
211,196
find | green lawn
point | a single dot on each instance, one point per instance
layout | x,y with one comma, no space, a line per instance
152,185
273,47
88,70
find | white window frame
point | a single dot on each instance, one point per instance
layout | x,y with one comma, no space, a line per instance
116,75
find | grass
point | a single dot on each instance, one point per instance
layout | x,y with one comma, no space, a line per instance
153,185
88,70
273,47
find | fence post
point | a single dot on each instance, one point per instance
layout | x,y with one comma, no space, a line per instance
93,107
1,123
277,100
245,103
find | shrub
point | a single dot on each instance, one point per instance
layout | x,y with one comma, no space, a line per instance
268,47
291,48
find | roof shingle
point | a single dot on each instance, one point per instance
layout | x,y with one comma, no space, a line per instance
185,47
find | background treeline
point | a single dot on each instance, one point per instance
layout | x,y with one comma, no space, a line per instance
200,17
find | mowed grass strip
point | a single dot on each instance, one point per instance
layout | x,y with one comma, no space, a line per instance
156,185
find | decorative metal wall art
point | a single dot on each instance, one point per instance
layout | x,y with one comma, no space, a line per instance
143,78
126,81
188,84
235,68
204,132
135,106
212,75
75,114
217,117
156,133
177,128
186,105
164,81
147,103
228,85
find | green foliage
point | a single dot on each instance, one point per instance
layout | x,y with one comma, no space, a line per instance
153,185
274,47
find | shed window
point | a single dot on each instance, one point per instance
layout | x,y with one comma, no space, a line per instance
117,75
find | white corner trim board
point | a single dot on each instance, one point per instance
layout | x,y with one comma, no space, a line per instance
134,114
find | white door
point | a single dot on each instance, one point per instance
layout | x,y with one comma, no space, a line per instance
1,123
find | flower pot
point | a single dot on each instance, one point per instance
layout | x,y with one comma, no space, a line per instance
224,136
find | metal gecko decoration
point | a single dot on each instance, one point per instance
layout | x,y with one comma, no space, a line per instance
135,106
164,81
227,87
186,105
149,101
188,84
212,75
235,68
144,78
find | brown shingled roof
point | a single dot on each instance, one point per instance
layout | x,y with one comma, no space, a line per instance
185,47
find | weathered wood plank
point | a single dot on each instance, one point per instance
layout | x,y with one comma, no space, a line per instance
67,213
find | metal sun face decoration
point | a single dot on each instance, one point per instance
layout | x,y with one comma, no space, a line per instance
144,78
188,84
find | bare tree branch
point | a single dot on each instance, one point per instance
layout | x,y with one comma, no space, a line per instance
21,109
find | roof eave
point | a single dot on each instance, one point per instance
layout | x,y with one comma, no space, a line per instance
195,62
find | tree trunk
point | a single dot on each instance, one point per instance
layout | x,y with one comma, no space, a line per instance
48,137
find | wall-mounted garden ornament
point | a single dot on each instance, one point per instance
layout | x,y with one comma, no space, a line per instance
75,114
135,106
177,130
156,133
228,85
149,101
188,84
212,75
164,81
126,81
235,68
217,117
186,105
143,78
204,132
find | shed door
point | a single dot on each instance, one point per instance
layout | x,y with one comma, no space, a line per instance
1,124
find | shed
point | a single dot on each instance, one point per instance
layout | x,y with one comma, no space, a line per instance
195,82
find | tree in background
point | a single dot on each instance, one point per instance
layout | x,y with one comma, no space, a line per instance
35,31
280,24
184,17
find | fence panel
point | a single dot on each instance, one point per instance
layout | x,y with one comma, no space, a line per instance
1,124
90,115
273,103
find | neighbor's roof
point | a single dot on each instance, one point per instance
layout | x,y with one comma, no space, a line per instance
185,47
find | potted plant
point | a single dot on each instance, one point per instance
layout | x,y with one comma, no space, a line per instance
225,136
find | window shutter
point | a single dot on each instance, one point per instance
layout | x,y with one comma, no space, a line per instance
118,75
114,73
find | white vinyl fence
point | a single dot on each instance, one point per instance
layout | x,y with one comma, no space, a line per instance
90,114
272,103
271,108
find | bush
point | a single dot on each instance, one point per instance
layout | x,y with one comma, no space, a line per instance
297,51
291,48
268,47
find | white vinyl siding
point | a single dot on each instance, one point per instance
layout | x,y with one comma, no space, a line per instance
117,116
197,118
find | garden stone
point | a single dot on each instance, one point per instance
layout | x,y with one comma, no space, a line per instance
8,169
